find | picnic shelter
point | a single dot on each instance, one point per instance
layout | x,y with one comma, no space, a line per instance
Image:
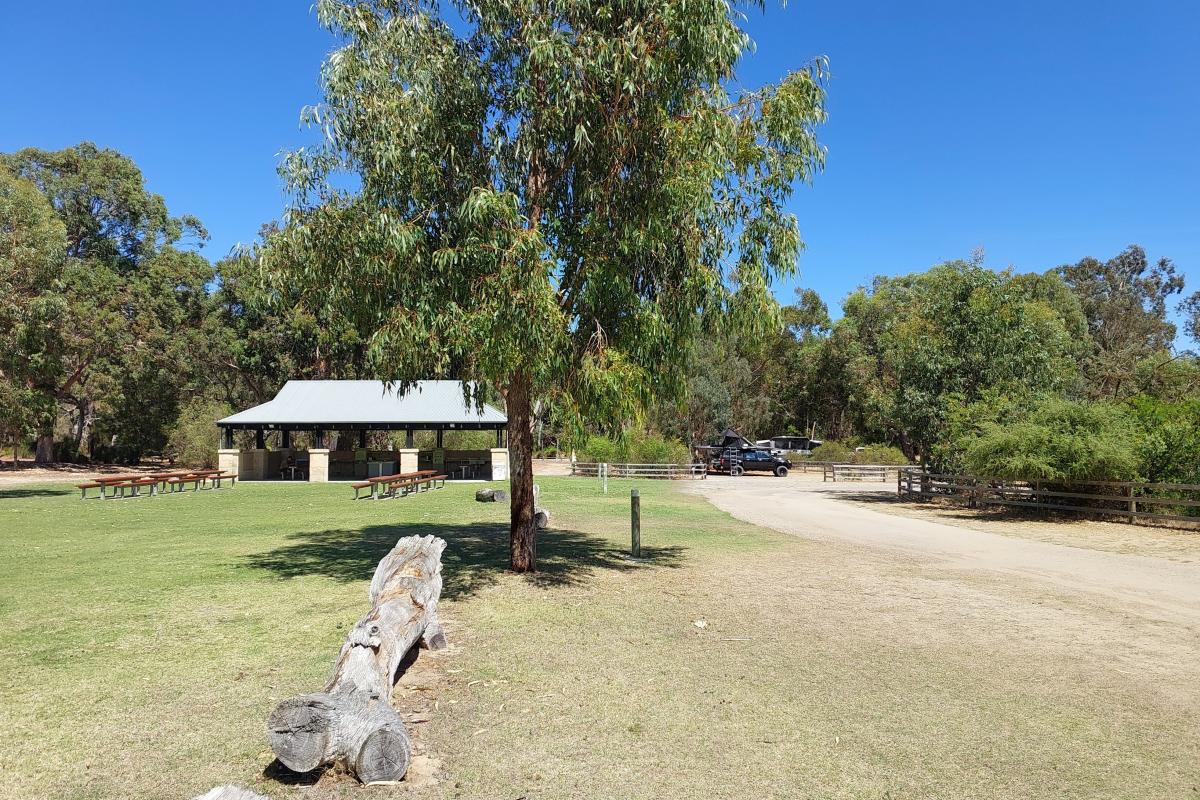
351,410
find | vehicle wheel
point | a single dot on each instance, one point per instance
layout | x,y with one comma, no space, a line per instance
735,471
781,472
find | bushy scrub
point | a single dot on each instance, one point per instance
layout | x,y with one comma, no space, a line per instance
634,448
194,439
1170,442
597,449
1056,439
848,453
880,454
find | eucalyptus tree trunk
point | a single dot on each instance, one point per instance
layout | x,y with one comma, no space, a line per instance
45,448
522,526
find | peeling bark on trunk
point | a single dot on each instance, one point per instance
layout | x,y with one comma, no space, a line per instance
352,721
522,525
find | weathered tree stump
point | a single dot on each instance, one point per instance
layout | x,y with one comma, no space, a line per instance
352,721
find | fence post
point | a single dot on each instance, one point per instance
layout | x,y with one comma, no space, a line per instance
635,523
1132,505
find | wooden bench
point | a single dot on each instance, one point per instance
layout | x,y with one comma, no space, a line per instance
387,485
430,479
402,486
83,487
175,483
220,476
135,487
158,482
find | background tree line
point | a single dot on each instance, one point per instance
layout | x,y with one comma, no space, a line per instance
117,335
1069,373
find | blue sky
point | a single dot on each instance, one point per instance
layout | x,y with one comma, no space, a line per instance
1039,131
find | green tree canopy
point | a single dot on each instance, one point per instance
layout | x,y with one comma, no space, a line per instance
115,332
915,345
32,253
546,196
1125,302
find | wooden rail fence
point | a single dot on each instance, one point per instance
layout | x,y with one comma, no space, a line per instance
1172,502
663,471
859,472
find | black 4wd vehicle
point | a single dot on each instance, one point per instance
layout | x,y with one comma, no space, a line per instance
738,461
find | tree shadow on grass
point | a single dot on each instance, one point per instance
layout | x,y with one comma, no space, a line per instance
476,555
21,494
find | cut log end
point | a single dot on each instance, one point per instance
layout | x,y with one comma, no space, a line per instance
384,756
299,731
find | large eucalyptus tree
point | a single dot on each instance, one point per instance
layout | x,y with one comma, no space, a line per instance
545,195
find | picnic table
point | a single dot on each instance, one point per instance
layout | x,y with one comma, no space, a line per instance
131,485
400,484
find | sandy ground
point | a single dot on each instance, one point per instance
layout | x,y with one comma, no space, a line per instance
65,473
1148,585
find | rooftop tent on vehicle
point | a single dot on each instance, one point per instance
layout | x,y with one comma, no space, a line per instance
731,438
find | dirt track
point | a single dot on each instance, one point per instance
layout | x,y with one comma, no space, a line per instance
1146,586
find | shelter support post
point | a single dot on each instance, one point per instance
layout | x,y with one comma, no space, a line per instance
260,440
318,465
439,452
285,440
229,459
499,463
406,458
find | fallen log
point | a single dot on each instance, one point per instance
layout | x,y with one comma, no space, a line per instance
352,721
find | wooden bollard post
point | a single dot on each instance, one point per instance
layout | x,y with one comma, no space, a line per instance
635,520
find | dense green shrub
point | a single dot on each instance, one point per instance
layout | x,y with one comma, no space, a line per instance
597,449
847,453
634,448
880,454
1169,446
1056,439
194,439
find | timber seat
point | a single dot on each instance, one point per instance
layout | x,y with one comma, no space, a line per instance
220,476
403,484
135,487
83,488
358,487
176,483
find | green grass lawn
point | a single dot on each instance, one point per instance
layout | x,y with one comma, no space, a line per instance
144,642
